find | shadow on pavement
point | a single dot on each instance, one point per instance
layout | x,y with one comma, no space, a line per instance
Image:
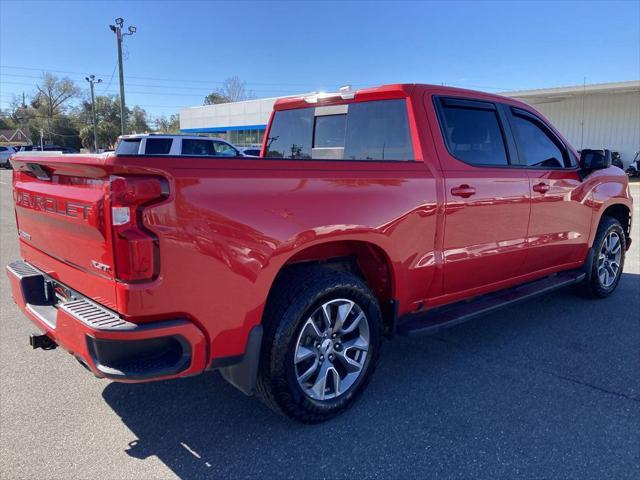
546,388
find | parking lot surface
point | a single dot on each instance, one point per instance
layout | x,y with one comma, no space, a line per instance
544,389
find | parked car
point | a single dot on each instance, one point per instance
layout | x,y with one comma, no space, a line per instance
5,153
48,148
251,152
175,145
429,206
633,170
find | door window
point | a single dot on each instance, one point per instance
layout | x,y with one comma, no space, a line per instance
224,149
472,134
158,146
197,147
536,144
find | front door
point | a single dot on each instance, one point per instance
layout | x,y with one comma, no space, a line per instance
560,221
487,201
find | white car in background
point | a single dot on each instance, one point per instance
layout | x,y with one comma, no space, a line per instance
251,151
5,153
176,145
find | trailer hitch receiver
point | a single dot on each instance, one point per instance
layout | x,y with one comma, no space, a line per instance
42,341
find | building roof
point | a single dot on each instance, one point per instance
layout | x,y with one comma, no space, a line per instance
13,136
574,90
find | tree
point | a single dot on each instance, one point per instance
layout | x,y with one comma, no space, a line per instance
168,125
233,90
215,98
138,120
53,93
107,120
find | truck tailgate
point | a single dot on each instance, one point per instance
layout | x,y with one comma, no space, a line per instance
62,215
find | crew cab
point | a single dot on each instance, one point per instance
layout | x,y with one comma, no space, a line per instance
386,211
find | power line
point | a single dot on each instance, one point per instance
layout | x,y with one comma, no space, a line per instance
147,105
111,78
146,85
175,94
210,82
171,93
155,78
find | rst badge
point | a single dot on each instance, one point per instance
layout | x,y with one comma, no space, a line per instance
101,266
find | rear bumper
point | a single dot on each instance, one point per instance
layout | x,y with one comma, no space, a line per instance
100,339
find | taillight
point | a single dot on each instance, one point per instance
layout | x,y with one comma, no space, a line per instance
134,247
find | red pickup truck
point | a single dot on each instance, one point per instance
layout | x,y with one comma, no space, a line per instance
393,210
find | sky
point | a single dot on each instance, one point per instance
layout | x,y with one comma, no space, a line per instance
184,49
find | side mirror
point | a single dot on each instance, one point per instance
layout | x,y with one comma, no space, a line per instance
595,159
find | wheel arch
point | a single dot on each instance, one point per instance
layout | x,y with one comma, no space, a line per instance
622,213
366,259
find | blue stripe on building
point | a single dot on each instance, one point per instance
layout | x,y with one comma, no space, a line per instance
222,129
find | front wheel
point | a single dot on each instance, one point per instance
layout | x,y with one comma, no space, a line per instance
323,331
608,252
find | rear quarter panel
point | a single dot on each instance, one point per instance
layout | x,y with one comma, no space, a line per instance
230,226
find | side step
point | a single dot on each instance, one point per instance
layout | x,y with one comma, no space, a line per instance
449,315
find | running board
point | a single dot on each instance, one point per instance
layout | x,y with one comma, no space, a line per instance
446,316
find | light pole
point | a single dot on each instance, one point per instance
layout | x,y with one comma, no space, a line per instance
117,29
92,79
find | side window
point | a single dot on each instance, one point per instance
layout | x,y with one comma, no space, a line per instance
128,146
473,133
197,147
291,134
536,144
224,150
378,130
158,146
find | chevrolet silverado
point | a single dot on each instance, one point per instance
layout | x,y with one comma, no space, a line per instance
387,211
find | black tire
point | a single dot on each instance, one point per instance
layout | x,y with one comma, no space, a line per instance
298,292
592,286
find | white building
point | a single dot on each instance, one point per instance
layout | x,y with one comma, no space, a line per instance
241,123
605,115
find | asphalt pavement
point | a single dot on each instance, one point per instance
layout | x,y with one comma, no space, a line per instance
544,389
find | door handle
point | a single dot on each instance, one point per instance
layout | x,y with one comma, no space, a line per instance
464,191
541,187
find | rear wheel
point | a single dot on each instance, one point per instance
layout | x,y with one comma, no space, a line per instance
321,343
608,252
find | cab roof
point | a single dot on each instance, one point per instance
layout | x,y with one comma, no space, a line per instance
383,92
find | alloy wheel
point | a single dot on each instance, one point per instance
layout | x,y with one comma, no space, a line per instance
609,259
332,349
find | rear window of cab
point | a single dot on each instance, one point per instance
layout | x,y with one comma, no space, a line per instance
376,130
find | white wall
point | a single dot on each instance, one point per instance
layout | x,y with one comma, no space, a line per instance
251,112
611,120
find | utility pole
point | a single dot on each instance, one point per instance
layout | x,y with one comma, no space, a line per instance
41,140
92,79
23,120
117,29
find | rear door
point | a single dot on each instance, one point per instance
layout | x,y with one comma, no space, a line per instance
487,200
560,218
